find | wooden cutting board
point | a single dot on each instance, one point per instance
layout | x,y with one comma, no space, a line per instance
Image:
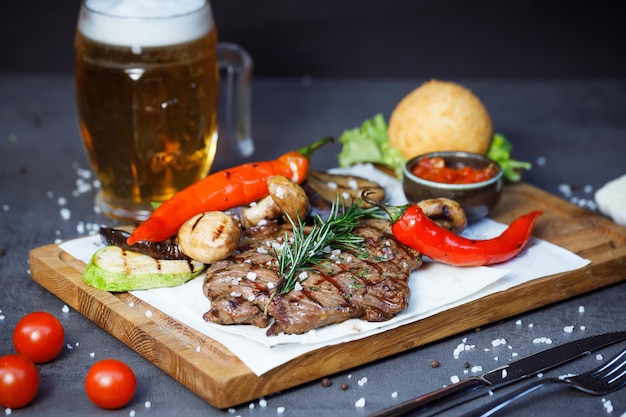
216,375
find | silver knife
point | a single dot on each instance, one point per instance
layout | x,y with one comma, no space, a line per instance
476,386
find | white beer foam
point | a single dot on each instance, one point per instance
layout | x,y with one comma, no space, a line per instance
144,23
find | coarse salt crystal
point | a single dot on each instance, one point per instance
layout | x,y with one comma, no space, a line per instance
394,394
608,405
353,184
498,342
251,275
92,354
148,314
263,402
581,309
147,404
565,189
599,357
504,373
132,413
568,329
303,275
235,294
360,403
460,348
518,322
297,286
198,348
65,309
280,410
270,285
65,213
131,304
362,381
477,368
70,347
454,379
332,185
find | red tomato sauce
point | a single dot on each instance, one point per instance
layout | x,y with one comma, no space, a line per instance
435,169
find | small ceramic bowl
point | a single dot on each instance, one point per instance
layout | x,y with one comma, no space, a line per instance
477,199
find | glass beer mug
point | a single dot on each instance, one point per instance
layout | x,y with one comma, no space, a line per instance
147,80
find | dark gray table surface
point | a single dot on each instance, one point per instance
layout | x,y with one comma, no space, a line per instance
574,131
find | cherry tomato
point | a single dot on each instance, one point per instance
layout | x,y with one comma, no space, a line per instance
19,381
110,383
39,336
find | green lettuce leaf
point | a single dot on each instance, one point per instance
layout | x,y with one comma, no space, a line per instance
500,151
369,143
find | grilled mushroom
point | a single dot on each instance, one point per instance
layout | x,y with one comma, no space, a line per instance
285,198
445,212
209,237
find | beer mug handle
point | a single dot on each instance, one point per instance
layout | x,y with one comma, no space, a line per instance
236,72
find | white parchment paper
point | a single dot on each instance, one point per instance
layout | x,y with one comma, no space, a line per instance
434,288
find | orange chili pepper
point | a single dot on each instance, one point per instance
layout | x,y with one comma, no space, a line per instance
222,190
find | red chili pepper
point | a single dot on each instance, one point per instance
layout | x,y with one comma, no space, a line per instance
413,228
222,190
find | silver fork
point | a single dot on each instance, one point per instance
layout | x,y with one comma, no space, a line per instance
602,380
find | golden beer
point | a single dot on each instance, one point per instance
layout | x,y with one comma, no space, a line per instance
147,114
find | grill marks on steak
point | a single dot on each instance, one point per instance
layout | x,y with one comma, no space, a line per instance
370,283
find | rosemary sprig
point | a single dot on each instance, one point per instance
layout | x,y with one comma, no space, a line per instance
303,250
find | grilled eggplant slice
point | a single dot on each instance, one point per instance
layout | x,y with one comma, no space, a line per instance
167,249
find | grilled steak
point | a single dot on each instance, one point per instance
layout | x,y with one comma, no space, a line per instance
370,283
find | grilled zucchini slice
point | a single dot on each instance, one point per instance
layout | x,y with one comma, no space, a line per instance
114,269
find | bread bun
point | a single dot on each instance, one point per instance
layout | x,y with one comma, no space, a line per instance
440,116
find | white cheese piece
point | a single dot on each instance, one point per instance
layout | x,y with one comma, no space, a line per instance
611,199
